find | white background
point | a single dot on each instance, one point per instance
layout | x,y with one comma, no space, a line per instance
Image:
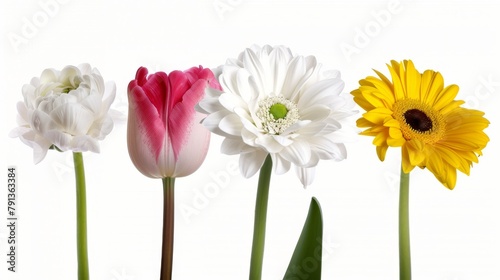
455,234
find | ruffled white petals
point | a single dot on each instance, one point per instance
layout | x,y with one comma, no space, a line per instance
74,118
67,108
273,102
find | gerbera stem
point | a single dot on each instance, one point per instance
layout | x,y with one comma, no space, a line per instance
167,254
81,218
404,227
259,227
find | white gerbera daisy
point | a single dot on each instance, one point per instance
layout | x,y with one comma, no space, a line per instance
279,104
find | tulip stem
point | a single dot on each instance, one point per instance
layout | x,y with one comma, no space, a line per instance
404,227
81,218
168,229
259,228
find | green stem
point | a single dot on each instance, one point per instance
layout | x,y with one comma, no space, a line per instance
259,227
81,218
167,250
404,228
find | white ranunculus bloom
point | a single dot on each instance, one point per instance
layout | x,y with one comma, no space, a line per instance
276,103
67,110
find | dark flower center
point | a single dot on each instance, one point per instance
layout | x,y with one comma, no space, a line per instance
418,120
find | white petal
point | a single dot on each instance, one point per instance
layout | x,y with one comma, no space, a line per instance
101,128
83,143
321,92
299,153
73,118
328,149
235,146
231,101
296,126
300,70
315,113
18,131
319,128
279,60
60,139
109,96
282,140
40,148
268,143
231,124
250,163
306,175
211,122
41,122
280,165
93,103
252,63
209,105
85,68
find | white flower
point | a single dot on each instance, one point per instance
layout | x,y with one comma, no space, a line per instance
67,110
276,103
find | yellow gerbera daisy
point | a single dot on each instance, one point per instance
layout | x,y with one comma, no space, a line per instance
417,113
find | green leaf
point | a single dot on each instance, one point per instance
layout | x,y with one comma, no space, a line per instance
306,259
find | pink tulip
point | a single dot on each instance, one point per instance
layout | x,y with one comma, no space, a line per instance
165,137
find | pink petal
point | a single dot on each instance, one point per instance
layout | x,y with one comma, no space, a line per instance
184,97
145,103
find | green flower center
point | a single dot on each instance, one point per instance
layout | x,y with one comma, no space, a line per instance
276,114
278,111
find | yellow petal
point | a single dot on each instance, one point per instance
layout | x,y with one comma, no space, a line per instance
380,139
399,91
415,150
446,97
413,79
405,160
377,115
431,86
381,150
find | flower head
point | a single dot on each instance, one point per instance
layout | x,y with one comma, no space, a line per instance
65,109
165,138
275,103
416,112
